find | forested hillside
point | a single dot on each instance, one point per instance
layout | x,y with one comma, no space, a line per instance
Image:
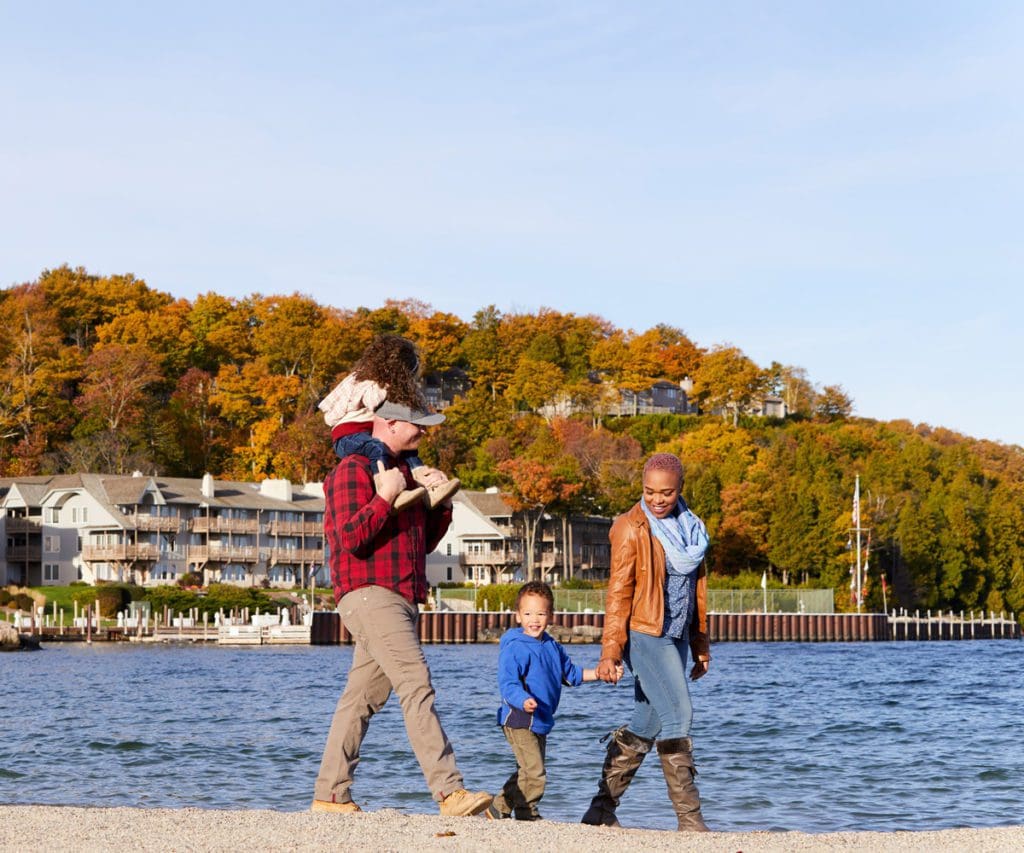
106,374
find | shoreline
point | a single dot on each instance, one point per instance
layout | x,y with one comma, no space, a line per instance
48,828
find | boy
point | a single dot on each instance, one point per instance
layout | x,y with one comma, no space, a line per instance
531,670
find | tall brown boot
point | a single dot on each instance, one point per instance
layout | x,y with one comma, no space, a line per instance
676,756
625,754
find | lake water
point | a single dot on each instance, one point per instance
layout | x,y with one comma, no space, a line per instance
812,737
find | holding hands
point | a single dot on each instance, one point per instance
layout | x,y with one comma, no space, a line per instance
609,670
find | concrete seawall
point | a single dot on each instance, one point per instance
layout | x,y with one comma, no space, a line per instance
453,626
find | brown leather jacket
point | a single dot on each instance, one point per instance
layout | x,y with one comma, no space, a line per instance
636,589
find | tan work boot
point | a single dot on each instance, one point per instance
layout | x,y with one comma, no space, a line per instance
333,807
462,803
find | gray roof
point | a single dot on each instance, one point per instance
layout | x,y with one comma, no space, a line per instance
115,491
488,504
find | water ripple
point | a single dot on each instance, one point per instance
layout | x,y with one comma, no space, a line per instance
811,737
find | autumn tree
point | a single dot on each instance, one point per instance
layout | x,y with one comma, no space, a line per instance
532,485
729,381
794,387
258,403
439,337
37,375
832,403
113,402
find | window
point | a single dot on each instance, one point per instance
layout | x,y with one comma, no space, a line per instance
52,515
85,514
449,570
51,544
449,553
51,572
74,515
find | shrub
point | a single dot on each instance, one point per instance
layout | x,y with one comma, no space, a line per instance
174,598
190,579
24,601
84,596
577,583
222,596
5,597
499,596
110,599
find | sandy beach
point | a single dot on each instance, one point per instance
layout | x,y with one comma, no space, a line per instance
49,828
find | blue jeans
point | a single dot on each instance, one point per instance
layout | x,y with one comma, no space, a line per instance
372,448
662,707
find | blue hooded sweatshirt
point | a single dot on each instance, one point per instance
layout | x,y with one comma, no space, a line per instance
537,668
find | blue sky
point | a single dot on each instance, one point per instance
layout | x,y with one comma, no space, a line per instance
831,185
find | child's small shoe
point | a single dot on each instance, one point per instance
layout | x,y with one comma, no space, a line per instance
406,498
439,492
442,491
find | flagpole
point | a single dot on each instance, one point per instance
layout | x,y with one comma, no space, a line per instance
856,504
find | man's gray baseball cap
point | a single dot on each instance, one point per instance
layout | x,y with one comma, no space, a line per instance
397,412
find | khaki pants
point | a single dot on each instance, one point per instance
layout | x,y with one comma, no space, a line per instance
525,787
387,657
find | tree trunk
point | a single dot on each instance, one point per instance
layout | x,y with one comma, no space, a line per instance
565,549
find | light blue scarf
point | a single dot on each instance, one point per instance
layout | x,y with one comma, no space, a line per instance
683,536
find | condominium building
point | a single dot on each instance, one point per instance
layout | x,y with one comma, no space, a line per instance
485,544
152,530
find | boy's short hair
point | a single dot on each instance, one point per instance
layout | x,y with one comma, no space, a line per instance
536,588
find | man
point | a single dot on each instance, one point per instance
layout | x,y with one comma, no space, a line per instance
378,569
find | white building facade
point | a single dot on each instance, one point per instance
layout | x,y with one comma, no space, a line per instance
153,530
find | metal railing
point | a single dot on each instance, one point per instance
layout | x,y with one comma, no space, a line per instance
778,601
719,600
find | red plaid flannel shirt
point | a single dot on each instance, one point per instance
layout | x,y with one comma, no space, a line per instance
371,546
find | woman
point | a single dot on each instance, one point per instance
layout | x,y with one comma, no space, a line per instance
656,605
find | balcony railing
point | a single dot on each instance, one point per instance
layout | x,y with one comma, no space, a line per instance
20,524
550,559
123,551
162,523
24,553
226,554
295,528
223,525
295,556
493,558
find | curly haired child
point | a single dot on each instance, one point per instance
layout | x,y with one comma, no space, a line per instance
387,370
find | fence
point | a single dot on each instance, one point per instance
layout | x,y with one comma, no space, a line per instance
719,600
566,600
779,601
